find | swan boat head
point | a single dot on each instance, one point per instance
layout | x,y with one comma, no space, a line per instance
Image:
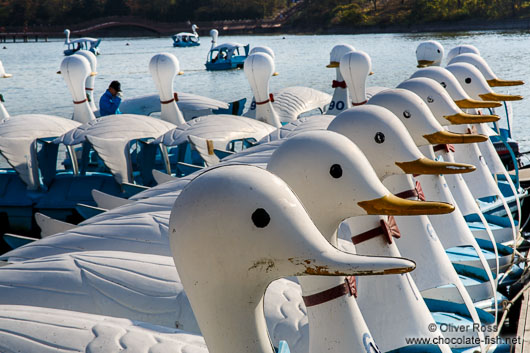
481,64
214,34
263,49
419,120
3,111
89,84
340,100
440,103
387,144
429,53
259,68
475,85
267,50
163,68
3,73
75,70
355,67
254,230
337,52
67,34
455,90
331,176
462,49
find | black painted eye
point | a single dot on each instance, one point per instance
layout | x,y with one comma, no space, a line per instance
438,50
468,80
406,114
430,99
261,218
379,137
444,85
335,171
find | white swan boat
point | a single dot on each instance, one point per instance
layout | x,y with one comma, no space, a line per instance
85,43
186,39
299,233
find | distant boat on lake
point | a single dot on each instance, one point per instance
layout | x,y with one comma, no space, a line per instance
186,39
85,43
226,56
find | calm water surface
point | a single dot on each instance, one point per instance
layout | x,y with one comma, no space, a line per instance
300,59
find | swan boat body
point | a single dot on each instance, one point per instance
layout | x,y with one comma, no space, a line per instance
303,240
186,39
172,244
249,151
85,43
31,145
227,56
31,182
203,140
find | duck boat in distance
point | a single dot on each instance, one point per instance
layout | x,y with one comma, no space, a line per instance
226,56
85,43
186,39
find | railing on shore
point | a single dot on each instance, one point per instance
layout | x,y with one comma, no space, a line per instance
24,36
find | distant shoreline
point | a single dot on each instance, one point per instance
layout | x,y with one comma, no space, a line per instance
461,26
135,28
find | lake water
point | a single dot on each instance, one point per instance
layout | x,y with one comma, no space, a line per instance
300,59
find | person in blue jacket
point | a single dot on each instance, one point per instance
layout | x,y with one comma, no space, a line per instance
109,103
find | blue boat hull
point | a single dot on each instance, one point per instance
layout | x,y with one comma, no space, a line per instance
18,205
185,44
69,52
228,65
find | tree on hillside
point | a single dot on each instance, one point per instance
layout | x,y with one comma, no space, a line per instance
516,4
312,14
81,10
116,8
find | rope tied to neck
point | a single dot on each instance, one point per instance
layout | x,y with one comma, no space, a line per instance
348,287
388,229
416,192
175,98
271,99
357,104
472,130
336,84
444,147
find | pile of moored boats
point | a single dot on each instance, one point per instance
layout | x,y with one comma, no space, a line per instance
373,220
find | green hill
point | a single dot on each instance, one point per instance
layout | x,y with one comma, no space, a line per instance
295,15
329,14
